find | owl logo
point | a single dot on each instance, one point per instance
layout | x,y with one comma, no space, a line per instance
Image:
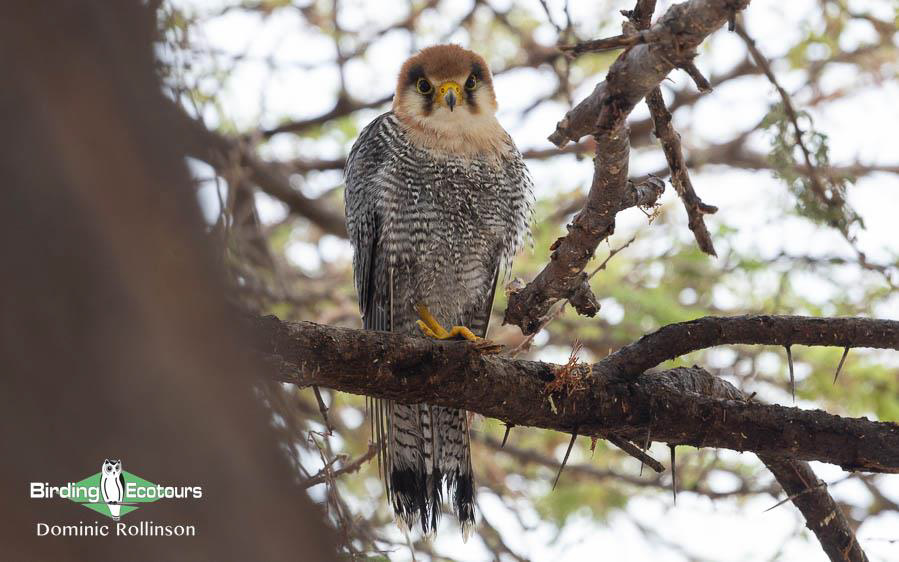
112,484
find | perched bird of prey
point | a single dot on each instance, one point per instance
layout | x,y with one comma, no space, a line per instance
438,199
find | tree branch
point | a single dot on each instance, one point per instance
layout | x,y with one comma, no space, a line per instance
682,406
634,74
642,67
671,143
590,470
564,276
225,154
328,473
830,197
678,339
680,177
342,108
822,514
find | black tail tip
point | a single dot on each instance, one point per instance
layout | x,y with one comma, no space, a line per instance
463,499
409,495
417,498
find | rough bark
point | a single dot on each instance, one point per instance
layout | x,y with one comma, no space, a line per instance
678,339
564,276
671,42
822,514
674,38
679,406
680,178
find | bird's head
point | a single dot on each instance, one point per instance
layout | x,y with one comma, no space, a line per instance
444,97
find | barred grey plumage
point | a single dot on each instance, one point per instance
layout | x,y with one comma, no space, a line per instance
429,227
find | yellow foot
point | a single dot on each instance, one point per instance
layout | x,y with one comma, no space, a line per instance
432,328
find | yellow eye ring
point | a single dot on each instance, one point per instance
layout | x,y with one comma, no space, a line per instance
423,86
471,83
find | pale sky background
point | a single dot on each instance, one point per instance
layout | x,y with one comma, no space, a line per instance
861,126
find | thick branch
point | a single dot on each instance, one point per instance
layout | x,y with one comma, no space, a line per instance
564,277
678,339
796,477
643,67
822,514
680,406
633,75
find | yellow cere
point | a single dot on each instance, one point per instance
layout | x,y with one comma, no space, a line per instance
446,87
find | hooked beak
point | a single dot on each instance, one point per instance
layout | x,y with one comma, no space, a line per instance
450,99
450,92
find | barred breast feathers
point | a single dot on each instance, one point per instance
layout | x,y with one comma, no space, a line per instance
433,225
387,142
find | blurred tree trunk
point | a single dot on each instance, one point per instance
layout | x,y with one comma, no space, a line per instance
114,336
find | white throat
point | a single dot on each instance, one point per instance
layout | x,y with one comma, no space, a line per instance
459,132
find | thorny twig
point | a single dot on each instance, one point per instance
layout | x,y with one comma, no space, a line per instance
560,307
840,366
328,474
565,459
323,409
792,375
671,142
680,178
832,198
635,452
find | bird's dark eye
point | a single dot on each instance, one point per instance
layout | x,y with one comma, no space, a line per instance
471,83
423,86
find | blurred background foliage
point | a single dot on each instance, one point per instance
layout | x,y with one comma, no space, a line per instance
281,88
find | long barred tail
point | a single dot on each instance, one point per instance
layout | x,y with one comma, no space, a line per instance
455,462
427,455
